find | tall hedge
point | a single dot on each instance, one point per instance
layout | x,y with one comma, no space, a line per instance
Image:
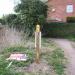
59,29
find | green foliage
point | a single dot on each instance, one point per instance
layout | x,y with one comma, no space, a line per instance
22,63
55,58
72,38
71,19
28,14
31,12
3,69
57,61
2,21
10,19
8,71
21,49
61,30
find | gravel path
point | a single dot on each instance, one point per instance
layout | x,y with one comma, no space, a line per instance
70,54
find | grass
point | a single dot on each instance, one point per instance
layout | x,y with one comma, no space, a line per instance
6,53
57,61
72,38
20,49
3,69
54,58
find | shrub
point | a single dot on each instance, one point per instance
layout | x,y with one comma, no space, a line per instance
58,29
71,19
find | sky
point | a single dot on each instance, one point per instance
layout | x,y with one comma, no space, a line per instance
7,6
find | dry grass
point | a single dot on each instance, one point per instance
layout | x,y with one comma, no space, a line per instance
13,38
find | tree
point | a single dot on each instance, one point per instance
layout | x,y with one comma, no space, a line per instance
2,21
9,19
31,12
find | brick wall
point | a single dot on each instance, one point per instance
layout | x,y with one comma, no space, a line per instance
57,9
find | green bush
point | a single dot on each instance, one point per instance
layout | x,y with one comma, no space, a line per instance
59,29
71,19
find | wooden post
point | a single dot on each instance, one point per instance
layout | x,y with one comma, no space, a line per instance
37,43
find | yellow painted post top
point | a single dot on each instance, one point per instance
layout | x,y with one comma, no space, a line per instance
37,28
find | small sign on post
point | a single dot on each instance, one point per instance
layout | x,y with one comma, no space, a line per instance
37,43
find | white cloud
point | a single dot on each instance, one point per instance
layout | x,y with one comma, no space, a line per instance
6,7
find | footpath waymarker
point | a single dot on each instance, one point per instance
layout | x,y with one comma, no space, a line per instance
37,43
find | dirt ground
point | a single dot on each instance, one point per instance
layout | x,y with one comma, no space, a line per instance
69,53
